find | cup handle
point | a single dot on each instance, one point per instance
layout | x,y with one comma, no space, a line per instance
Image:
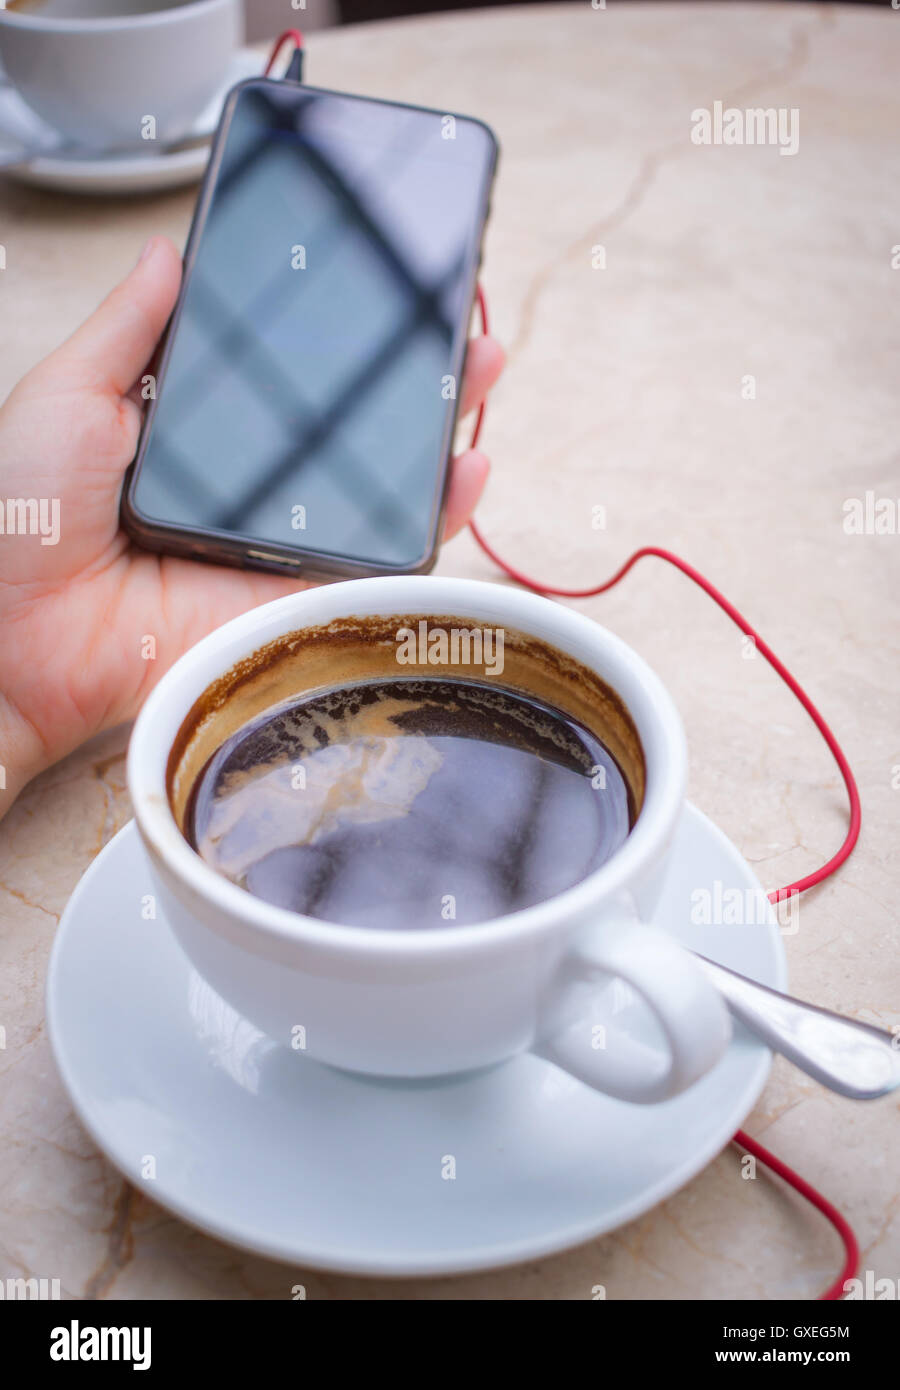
690,1013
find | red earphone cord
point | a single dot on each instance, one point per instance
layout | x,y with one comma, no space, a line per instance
743,1140
296,39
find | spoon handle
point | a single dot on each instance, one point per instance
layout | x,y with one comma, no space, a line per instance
854,1059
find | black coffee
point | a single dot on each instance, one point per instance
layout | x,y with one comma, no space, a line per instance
410,803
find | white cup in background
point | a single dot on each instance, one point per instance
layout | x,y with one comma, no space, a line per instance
96,70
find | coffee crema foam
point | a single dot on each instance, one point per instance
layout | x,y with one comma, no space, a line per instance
350,650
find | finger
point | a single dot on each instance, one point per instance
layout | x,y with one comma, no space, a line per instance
467,479
109,351
484,363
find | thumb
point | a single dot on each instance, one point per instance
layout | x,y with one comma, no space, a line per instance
111,348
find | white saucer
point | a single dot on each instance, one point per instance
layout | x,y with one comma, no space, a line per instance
71,171
262,1147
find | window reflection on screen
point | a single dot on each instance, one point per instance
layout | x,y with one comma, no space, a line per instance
305,398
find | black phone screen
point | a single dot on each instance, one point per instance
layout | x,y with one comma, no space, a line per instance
306,395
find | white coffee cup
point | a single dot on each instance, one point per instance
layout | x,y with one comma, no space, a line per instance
111,73
431,1001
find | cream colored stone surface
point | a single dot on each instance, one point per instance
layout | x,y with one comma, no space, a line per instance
624,389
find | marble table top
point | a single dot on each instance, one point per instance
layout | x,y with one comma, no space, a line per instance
704,341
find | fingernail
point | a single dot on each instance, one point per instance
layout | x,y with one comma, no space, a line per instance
148,247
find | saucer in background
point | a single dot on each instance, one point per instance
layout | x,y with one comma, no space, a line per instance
70,170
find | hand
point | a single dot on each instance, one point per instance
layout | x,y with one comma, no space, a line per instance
75,614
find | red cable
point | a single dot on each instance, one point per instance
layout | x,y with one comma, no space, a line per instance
800,1185
851,1263
296,37
852,835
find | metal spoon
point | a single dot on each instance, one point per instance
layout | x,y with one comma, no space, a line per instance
855,1059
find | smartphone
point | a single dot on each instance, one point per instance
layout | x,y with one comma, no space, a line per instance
302,406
